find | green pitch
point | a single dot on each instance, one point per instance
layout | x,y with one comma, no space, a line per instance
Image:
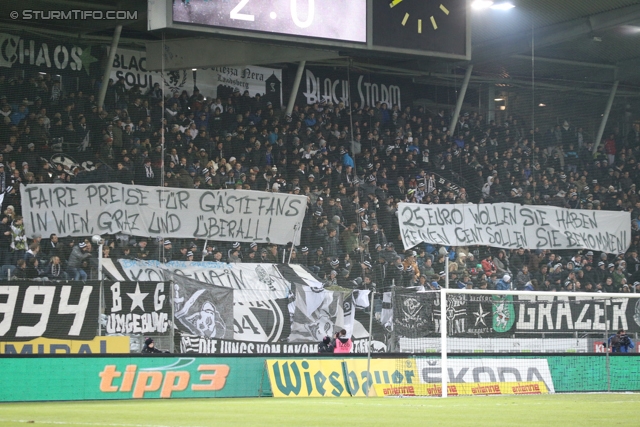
563,410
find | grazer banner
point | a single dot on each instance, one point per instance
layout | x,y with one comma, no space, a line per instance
509,225
227,215
105,378
492,315
138,308
328,85
31,310
211,82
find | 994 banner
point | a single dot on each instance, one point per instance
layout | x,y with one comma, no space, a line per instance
29,310
343,20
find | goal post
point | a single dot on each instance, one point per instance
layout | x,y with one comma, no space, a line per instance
467,341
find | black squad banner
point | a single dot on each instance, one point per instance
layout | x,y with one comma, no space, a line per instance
29,310
471,315
138,308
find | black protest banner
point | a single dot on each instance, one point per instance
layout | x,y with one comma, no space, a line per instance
138,308
35,309
201,309
228,215
202,345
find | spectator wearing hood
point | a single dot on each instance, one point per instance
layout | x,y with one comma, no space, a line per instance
504,284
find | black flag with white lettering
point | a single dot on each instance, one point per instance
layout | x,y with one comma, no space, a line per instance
31,310
138,308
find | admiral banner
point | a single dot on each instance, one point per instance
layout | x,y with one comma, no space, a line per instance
227,215
509,225
492,315
29,310
138,308
98,345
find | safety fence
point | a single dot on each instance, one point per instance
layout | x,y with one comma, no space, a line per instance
277,309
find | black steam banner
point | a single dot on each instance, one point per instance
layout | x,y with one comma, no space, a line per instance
31,310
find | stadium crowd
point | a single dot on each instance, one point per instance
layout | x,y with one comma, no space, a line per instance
354,163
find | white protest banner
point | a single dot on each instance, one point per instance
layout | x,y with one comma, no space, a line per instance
224,215
509,225
212,82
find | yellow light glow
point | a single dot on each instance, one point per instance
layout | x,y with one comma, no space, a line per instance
433,22
405,19
395,3
444,9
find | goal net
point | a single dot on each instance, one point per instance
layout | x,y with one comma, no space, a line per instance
469,341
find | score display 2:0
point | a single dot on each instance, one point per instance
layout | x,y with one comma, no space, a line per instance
343,20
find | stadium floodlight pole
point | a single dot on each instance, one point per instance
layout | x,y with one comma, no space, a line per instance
605,116
371,308
204,249
296,86
461,95
443,252
607,350
296,229
107,69
443,340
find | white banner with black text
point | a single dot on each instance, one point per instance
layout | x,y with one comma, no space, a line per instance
226,215
509,225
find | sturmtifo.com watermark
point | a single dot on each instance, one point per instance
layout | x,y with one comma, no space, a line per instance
74,14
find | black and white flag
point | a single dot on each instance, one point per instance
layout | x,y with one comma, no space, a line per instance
413,314
203,310
138,308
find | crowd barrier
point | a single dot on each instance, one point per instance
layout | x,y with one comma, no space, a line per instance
59,378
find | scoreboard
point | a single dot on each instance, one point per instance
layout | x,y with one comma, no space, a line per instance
418,27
